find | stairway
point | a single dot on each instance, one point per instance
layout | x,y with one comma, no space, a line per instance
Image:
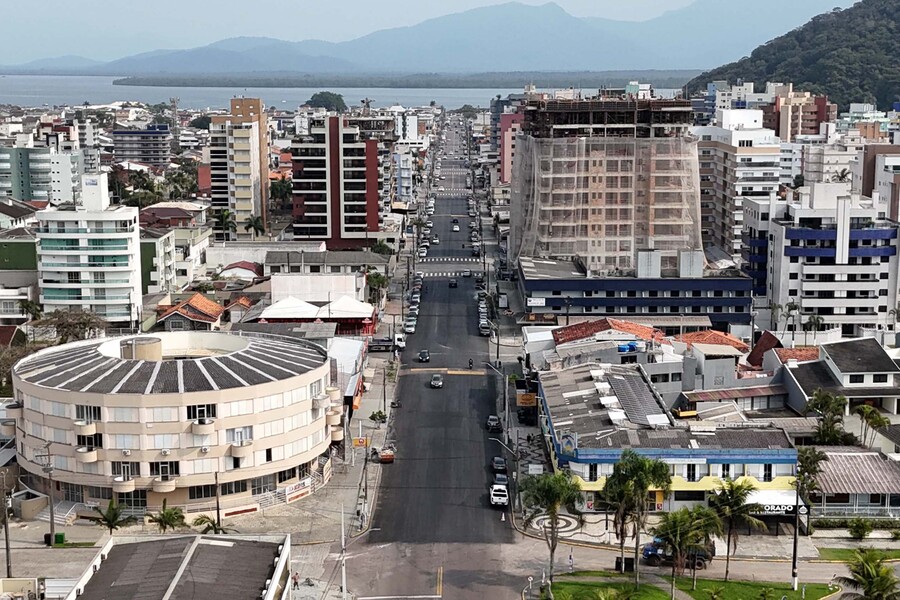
64,514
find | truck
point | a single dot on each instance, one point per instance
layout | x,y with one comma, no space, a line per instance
656,553
387,344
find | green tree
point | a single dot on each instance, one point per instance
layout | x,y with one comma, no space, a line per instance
281,191
467,111
830,409
628,487
377,283
226,222
715,593
767,593
380,247
871,575
730,503
809,467
113,517
168,518
208,525
256,224
814,323
870,421
73,324
201,122
676,532
328,101
547,495
842,176
31,308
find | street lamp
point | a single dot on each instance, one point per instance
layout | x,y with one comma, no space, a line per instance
48,469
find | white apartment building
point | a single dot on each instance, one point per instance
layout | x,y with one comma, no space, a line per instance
190,253
828,250
157,261
739,159
89,256
887,180
824,163
235,172
10,297
66,169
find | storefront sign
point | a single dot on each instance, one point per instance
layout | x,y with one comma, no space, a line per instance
526,400
298,490
780,509
536,302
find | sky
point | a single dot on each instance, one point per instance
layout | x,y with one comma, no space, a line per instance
110,29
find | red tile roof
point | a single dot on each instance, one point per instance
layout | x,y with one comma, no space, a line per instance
196,308
38,204
246,264
800,354
8,334
580,331
766,342
711,336
243,301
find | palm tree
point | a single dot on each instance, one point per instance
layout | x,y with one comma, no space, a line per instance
842,176
676,532
707,525
830,409
715,593
256,224
226,222
210,525
767,593
790,314
113,517
629,486
814,322
730,503
870,574
281,190
775,309
168,518
546,495
871,420
31,308
895,314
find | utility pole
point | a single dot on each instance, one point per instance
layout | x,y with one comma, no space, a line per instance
48,469
176,141
7,506
384,390
795,580
343,559
218,501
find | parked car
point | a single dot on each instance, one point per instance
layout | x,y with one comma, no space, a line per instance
424,356
437,381
656,553
456,228
454,283
501,479
467,273
455,220
498,464
423,253
435,240
409,327
493,424
499,495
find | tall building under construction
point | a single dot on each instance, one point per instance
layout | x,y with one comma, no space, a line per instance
604,178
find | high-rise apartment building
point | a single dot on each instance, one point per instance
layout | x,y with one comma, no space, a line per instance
827,250
739,159
510,126
151,146
88,140
336,180
600,179
28,173
794,113
872,161
238,159
89,256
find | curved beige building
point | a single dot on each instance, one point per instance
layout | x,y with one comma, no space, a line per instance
177,416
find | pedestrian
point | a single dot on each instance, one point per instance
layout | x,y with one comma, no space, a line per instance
529,438
295,578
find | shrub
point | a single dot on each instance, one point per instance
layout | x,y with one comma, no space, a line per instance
841,523
860,528
895,535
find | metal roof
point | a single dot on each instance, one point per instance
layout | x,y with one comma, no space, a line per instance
859,473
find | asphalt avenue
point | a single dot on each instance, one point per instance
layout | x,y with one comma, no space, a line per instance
434,532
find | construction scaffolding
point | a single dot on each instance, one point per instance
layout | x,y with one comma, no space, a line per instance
604,199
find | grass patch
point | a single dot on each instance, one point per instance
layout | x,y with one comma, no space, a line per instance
847,553
75,545
590,574
586,589
747,590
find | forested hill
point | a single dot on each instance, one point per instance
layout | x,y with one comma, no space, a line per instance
852,55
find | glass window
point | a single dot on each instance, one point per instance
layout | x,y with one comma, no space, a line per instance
196,492
262,485
234,487
91,414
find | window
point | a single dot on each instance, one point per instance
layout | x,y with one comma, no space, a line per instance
876,499
164,469
196,492
123,415
699,496
691,472
163,414
745,143
162,441
592,472
100,493
91,414
126,469
794,276
90,441
676,377
879,378
262,485
201,411
135,499
234,487
237,435
124,441
857,379
767,472
286,475
268,455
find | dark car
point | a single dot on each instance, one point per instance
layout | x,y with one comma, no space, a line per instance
424,356
493,424
479,278
454,283
437,381
498,464
501,479
455,221
656,554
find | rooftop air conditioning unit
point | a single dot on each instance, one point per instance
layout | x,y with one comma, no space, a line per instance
126,452
165,452
204,449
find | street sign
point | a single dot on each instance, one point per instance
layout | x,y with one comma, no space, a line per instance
360,442
534,469
536,302
526,399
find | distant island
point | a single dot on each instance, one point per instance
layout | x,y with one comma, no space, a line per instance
559,79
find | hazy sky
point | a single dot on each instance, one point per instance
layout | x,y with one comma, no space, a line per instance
107,29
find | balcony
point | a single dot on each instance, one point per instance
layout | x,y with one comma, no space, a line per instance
203,427
14,410
85,428
86,454
164,484
8,428
123,485
242,449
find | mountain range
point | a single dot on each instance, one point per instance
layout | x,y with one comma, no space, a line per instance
850,55
503,37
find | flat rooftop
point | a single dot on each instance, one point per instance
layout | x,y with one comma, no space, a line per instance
548,268
193,567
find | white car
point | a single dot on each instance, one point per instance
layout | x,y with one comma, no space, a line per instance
456,228
441,189
436,240
499,496
409,328
423,252
429,224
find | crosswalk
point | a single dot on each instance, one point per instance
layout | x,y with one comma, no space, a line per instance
464,259
437,274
